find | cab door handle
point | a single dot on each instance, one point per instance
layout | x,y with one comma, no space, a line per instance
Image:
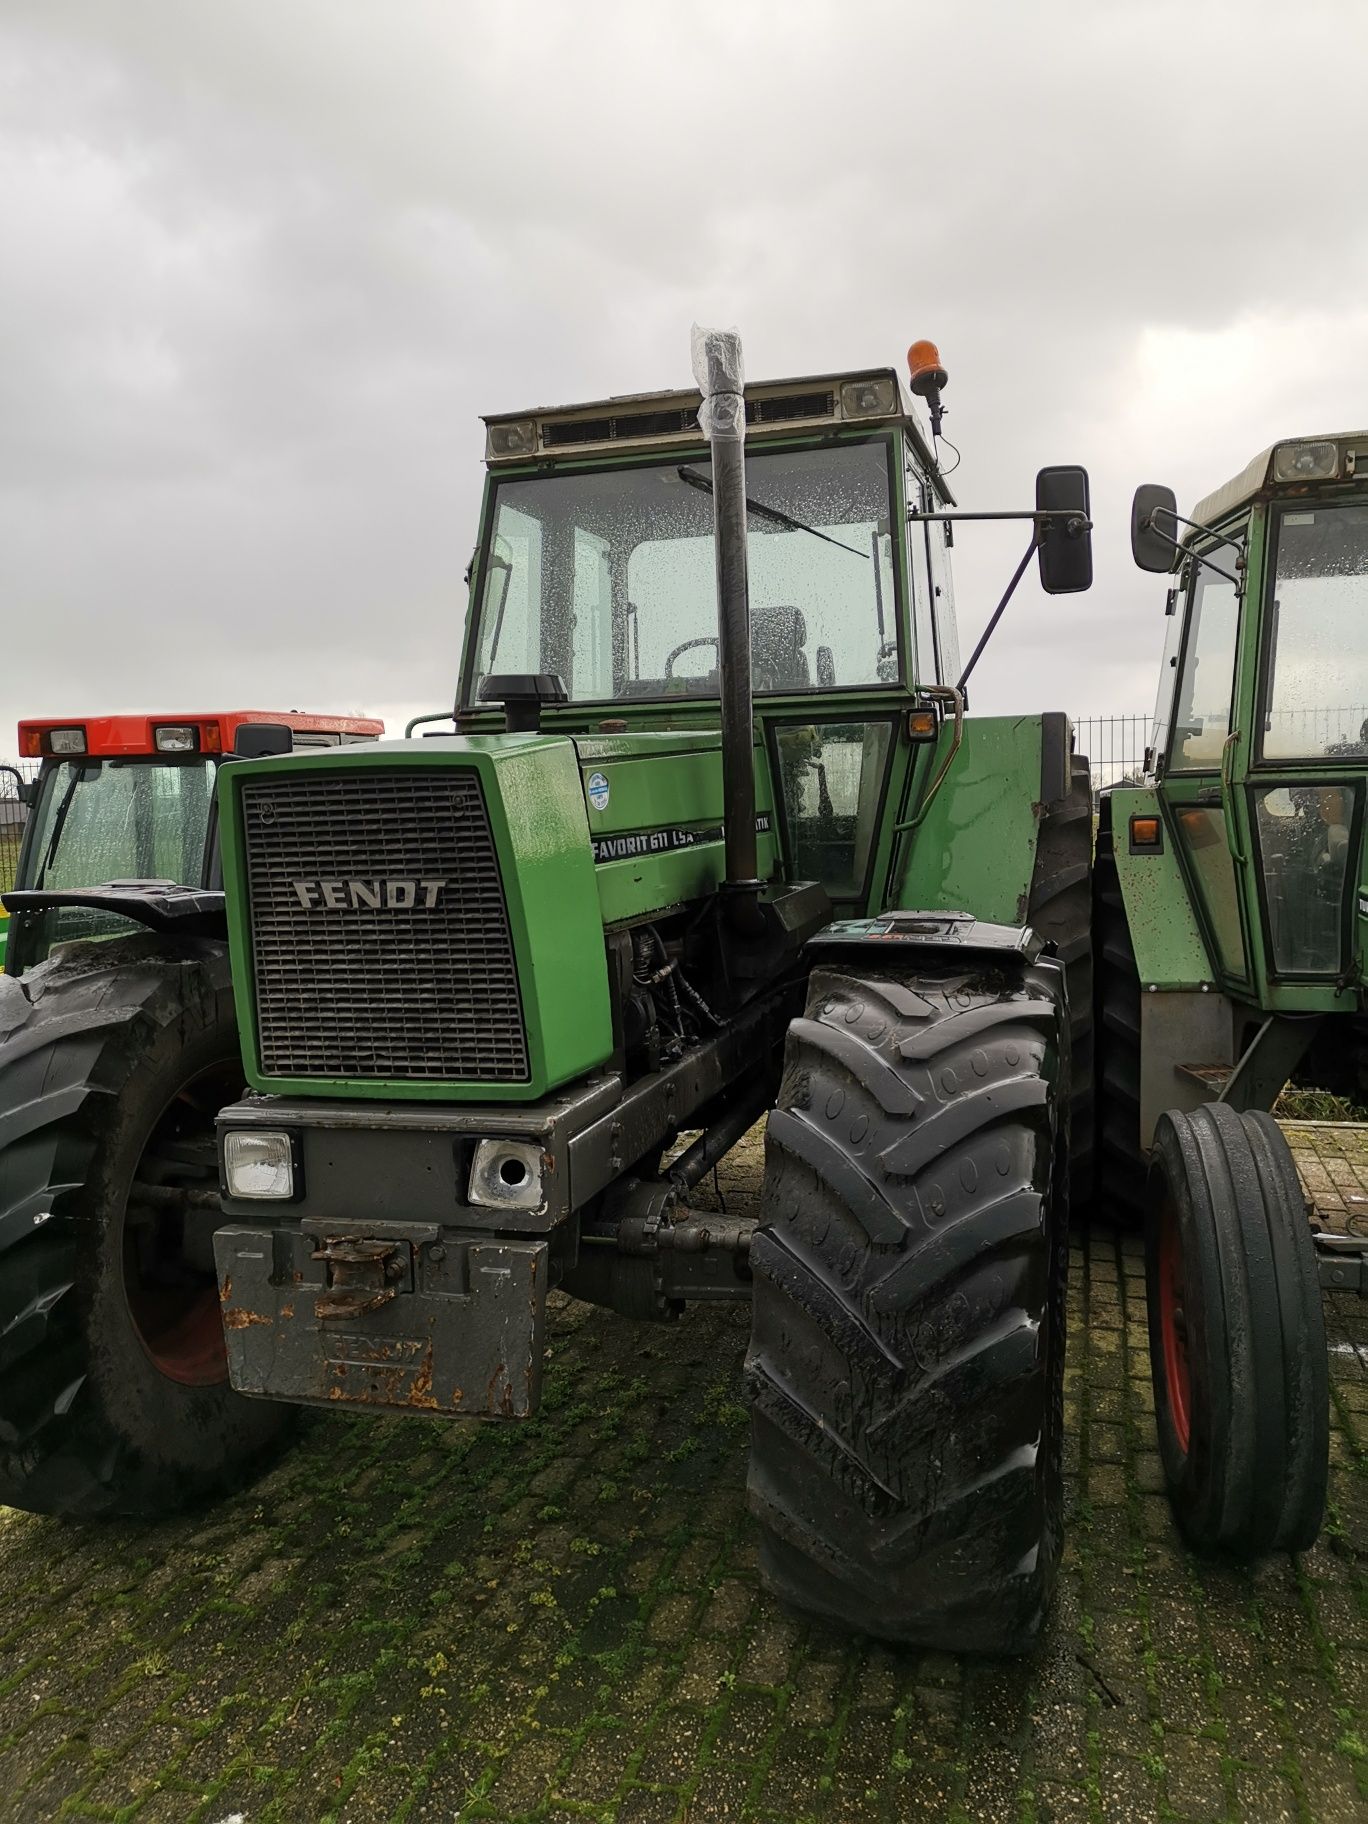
1228,800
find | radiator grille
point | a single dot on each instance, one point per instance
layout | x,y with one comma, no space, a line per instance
425,991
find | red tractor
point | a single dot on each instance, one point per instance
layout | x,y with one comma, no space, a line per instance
115,1056
129,797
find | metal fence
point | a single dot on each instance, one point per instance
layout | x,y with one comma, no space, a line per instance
1115,745
1294,734
13,816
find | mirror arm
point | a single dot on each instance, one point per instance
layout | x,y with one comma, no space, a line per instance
1008,593
1076,523
1207,532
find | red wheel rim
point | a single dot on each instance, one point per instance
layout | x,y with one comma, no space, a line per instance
183,1335
172,1302
1173,1333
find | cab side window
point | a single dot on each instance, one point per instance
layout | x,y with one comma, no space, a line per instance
1206,679
943,600
920,533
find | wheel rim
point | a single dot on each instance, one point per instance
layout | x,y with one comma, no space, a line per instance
169,1283
1173,1326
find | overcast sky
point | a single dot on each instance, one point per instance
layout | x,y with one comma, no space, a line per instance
265,263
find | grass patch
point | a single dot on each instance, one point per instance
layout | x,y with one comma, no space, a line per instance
1317,1105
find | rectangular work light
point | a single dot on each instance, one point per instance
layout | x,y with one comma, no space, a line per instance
176,738
1306,462
508,440
874,398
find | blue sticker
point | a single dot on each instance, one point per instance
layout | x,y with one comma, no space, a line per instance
597,789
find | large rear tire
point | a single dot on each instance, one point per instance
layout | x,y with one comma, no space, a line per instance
1237,1334
114,1394
906,1359
1060,910
1120,1177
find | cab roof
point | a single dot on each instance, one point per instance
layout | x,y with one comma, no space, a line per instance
868,397
134,735
1352,461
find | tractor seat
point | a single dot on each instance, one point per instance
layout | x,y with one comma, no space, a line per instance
778,661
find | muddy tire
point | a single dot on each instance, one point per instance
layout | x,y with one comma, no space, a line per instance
1237,1335
114,1398
1121,1163
1060,910
905,1368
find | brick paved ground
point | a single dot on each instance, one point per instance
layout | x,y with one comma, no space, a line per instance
1333,1159
412,1620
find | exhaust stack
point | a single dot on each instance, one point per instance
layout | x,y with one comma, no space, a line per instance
718,370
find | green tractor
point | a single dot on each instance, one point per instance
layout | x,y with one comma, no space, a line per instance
714,839
1232,905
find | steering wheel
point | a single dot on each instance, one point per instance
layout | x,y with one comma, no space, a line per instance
707,639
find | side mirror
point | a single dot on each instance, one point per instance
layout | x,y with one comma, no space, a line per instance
1154,547
1066,565
259,740
23,788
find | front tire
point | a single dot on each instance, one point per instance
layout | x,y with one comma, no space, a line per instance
1059,909
1237,1334
906,1359
114,1394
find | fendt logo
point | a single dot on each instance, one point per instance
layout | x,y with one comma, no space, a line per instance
354,895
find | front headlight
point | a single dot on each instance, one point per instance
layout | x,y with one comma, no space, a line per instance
258,1164
1306,462
507,1175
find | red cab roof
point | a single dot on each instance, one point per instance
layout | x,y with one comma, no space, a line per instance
216,729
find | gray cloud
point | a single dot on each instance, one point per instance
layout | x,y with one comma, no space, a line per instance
266,265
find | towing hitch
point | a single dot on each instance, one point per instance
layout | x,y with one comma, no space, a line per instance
1343,1262
361,1276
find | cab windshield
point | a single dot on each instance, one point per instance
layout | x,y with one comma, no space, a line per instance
607,578
100,820
1316,695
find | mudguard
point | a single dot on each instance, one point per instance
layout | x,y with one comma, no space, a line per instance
159,904
947,934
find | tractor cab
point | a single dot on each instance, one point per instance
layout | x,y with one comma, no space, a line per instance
596,572
1260,742
594,594
121,798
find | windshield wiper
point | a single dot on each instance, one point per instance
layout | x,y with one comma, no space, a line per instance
704,486
59,820
500,564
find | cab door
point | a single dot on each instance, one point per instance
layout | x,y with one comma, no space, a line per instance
1309,753
1205,758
